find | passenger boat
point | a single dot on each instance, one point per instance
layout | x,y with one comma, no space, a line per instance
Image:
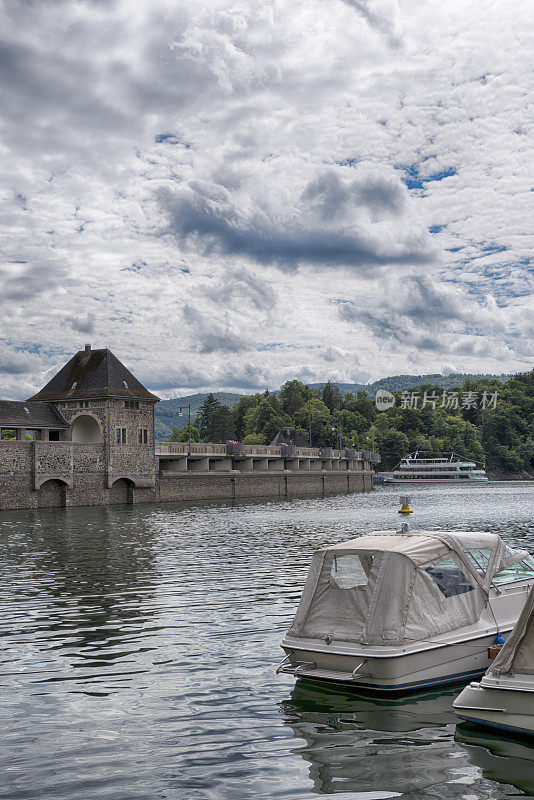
396,611
414,468
504,698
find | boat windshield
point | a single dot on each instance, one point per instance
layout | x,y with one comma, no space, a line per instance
517,572
479,557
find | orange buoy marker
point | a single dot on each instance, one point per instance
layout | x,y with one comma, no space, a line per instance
405,505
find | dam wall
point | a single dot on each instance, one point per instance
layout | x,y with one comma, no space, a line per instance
40,474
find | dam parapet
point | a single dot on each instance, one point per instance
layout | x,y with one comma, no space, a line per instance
236,457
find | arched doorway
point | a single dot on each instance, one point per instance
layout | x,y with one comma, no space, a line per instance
52,494
121,492
85,428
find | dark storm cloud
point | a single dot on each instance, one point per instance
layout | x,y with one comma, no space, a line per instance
410,312
209,335
207,218
245,376
35,280
241,286
333,196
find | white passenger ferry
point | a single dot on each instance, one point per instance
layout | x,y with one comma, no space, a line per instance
417,469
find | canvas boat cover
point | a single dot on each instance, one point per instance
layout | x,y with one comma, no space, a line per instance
517,653
392,588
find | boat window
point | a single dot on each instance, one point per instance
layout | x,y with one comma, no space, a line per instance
517,572
348,571
449,578
479,558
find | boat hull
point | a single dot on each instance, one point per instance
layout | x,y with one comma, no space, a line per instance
505,709
466,481
392,672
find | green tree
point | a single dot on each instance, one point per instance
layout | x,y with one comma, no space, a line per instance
331,396
293,395
364,406
263,419
255,438
203,420
221,425
182,435
392,446
321,423
239,411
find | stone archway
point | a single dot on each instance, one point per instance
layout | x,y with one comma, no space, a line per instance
52,494
121,492
86,428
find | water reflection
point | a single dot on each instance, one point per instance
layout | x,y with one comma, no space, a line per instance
501,757
344,746
79,590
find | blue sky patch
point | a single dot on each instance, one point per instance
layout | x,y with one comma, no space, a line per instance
415,181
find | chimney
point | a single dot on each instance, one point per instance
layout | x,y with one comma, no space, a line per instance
87,349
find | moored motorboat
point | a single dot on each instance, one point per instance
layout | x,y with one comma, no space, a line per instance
504,698
403,610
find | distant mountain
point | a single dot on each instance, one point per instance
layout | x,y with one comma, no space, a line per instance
167,411
399,382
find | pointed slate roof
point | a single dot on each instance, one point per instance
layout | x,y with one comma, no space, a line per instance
93,373
289,436
32,416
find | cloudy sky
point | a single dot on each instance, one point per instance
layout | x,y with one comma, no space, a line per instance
231,194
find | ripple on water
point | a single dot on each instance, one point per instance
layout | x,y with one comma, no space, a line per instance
138,646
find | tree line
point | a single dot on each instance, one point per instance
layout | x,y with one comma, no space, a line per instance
484,420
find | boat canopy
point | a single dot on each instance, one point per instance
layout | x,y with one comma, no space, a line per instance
517,653
392,588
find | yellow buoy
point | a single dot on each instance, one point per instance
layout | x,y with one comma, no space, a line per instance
405,505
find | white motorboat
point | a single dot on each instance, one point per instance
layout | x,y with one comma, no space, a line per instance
403,610
504,698
415,468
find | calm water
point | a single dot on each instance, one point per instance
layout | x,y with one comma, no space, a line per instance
138,647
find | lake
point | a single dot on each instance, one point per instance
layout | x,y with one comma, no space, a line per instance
138,647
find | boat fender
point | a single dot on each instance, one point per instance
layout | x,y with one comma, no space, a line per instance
495,648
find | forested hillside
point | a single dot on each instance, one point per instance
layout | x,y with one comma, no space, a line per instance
395,382
483,419
168,411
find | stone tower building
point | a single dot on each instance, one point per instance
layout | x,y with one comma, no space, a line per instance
105,404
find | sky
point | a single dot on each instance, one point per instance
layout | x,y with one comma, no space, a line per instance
229,195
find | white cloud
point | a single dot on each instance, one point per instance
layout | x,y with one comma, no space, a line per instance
254,164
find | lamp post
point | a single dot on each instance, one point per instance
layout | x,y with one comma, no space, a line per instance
309,419
180,414
337,429
372,437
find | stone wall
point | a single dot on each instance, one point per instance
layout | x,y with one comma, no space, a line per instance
257,485
36,474
133,456
16,491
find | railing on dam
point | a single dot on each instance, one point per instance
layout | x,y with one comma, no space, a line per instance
207,449
206,457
